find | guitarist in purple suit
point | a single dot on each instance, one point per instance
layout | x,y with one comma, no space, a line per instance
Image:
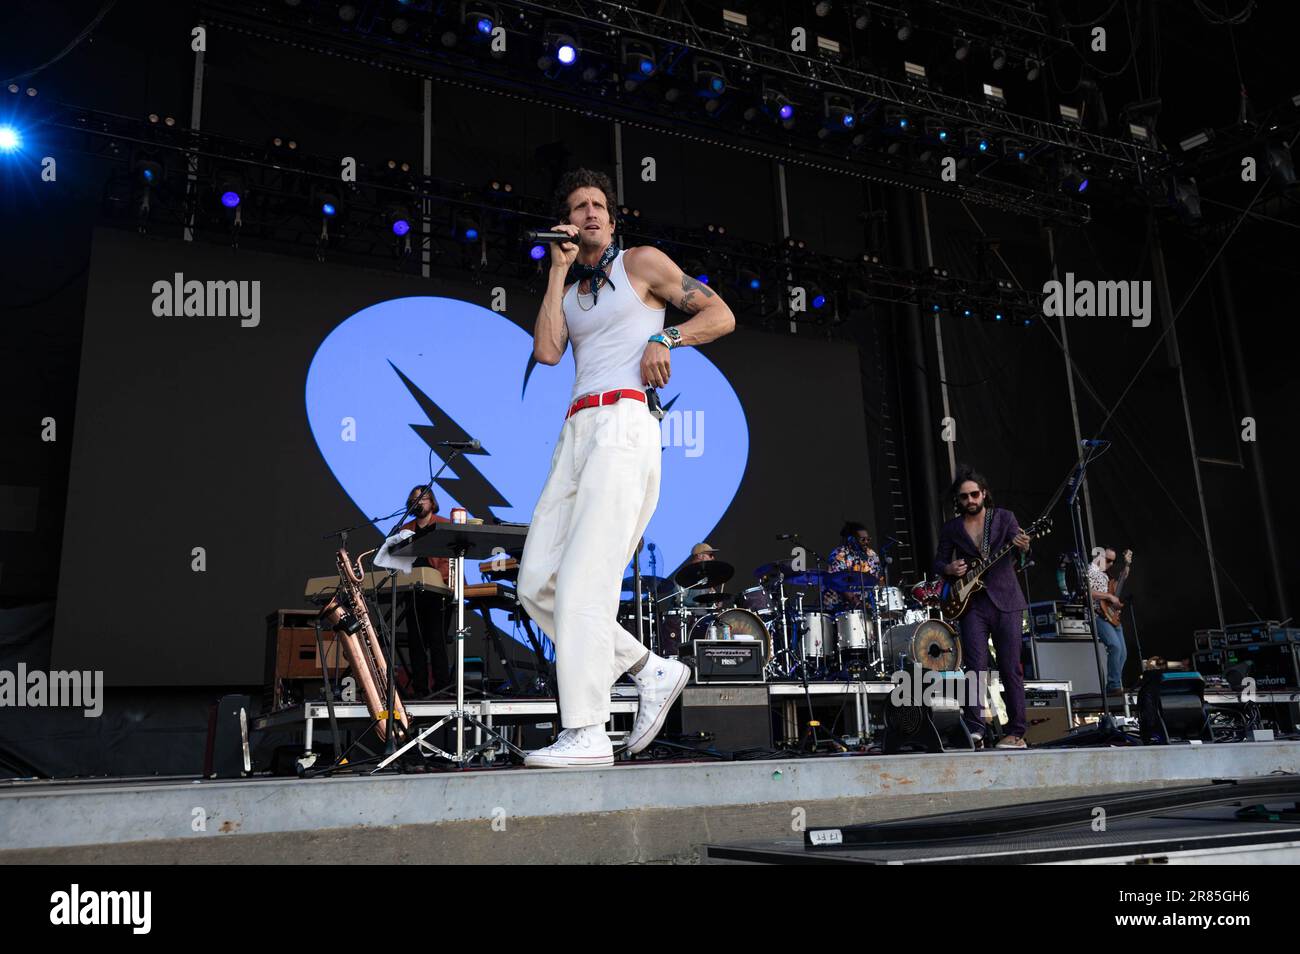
978,530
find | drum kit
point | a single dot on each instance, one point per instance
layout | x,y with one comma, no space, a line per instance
879,629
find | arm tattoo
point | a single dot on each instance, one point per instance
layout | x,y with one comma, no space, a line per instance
690,286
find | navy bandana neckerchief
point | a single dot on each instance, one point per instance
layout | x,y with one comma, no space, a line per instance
578,271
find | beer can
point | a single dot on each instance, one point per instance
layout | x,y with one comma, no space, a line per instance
459,515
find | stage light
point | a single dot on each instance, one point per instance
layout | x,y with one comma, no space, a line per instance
638,61
819,301
328,209
999,57
861,16
943,135
1072,179
1070,115
148,171
10,139
1187,200
566,53
347,13
960,48
994,95
710,79
823,7
1281,165
537,253
230,199
915,72
838,112
399,26
399,220
786,111
1196,139
1032,69
903,29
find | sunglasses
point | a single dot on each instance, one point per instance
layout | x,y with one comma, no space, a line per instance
973,495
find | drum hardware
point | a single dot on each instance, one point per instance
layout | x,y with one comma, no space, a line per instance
736,624
713,599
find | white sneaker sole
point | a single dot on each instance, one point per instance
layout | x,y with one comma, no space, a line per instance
639,745
568,761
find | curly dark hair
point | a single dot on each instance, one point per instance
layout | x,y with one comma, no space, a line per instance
965,473
580,178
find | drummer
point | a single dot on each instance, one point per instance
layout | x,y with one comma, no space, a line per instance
853,553
700,553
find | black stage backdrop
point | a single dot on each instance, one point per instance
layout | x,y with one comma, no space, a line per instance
193,432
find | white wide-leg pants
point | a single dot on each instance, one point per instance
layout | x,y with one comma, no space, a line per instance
598,499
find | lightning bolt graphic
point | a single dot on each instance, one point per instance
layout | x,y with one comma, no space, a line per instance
465,483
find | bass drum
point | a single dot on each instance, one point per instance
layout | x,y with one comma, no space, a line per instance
930,644
732,624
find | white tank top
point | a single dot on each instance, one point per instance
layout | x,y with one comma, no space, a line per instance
609,340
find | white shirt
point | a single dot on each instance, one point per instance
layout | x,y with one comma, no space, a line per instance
609,338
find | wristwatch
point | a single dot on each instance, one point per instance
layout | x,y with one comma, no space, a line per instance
674,336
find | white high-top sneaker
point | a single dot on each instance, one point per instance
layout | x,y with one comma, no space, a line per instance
658,684
586,746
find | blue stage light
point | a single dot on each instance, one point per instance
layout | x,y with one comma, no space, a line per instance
702,278
483,25
754,284
471,234
786,111
847,120
230,199
983,145
1083,185
566,54
819,301
943,135
537,253
327,208
401,227
646,65
902,124
717,84
148,175
10,140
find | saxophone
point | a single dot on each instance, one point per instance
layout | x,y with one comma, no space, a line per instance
350,618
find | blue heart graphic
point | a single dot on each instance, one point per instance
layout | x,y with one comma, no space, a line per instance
420,369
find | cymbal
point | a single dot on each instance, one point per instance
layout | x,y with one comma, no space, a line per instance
809,578
847,580
770,569
704,573
648,583
713,599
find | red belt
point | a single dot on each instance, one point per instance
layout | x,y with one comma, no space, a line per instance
608,397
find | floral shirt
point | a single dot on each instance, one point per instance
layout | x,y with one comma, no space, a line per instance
849,557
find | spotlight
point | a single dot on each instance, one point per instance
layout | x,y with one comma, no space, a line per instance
638,61
1187,200
483,17
960,48
10,139
399,25
347,12
231,191
778,102
1032,69
537,253
838,111
994,95
1073,179
1070,115
915,72
1281,165
823,7
467,229
903,29
710,80
999,57
398,218
148,171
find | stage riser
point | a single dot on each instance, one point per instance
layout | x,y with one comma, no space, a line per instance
628,813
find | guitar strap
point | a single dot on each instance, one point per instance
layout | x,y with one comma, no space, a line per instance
988,530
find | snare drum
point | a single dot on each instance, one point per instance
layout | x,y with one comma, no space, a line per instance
915,615
818,636
928,592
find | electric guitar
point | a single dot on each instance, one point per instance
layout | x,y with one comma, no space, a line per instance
1110,610
958,591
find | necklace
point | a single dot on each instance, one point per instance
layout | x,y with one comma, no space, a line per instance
578,295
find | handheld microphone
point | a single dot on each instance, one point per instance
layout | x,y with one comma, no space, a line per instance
472,444
549,235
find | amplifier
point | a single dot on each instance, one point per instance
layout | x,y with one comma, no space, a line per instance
1272,665
1072,658
1209,662
1047,714
738,717
1058,618
728,660
293,670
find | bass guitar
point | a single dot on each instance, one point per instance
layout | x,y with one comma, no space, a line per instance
958,591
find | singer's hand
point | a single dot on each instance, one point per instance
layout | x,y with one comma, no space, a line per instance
656,364
563,254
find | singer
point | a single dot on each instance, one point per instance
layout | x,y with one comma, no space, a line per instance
604,479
